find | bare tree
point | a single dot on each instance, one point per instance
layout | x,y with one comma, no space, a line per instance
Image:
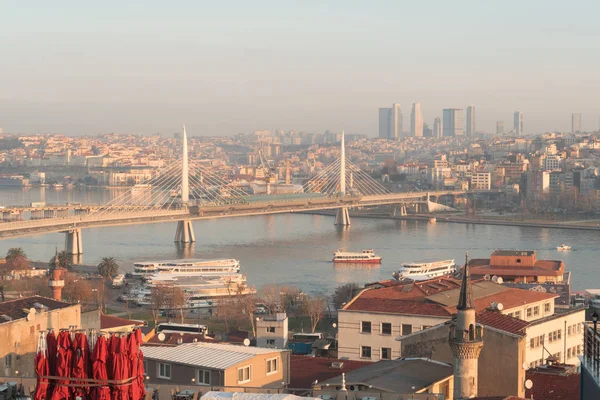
176,300
314,307
271,297
76,290
344,294
226,310
99,288
158,300
247,305
290,298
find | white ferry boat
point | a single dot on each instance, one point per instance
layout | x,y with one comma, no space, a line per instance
420,271
187,267
563,247
364,257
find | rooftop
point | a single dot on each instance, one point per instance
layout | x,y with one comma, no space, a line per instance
397,376
304,370
439,297
19,308
207,355
110,322
553,386
513,252
481,267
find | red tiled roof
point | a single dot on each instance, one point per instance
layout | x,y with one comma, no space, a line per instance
15,309
481,267
398,306
553,387
109,322
304,370
502,322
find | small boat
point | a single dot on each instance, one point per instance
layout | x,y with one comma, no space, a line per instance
563,247
364,257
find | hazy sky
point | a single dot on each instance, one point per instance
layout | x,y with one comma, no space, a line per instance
222,67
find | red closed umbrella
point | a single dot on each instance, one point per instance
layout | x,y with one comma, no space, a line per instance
80,365
51,346
63,366
136,389
120,367
41,369
99,358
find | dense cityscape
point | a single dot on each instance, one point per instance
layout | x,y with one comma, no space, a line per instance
312,201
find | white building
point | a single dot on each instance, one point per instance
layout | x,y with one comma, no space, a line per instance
481,181
416,121
518,123
553,163
471,121
272,331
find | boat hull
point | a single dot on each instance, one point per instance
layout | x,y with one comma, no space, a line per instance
370,261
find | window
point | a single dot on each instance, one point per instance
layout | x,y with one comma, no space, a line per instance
518,314
202,377
270,342
426,327
244,374
547,307
270,329
8,360
406,329
365,327
518,260
272,366
386,353
164,371
529,313
536,310
386,328
365,351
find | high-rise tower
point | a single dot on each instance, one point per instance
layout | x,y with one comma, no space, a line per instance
385,117
416,121
471,121
499,128
466,340
437,128
396,122
518,123
454,122
575,123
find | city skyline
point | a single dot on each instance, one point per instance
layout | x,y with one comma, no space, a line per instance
279,66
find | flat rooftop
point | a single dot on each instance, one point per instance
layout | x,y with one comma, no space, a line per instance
513,253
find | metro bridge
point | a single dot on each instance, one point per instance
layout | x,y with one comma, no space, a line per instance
183,194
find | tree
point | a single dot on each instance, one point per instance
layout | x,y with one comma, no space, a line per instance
99,290
64,261
247,305
158,300
108,267
76,290
176,300
15,252
344,294
290,298
271,297
314,307
226,310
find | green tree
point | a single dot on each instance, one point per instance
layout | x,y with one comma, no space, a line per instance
108,267
64,261
15,252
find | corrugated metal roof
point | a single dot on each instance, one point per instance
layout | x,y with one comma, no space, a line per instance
208,355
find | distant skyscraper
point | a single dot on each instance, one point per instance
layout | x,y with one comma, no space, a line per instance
454,122
396,122
437,128
576,123
416,121
518,123
471,121
385,117
499,127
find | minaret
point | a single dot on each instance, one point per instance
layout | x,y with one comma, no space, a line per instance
466,340
56,282
185,186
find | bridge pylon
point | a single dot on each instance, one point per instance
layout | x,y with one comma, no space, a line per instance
185,232
73,241
342,216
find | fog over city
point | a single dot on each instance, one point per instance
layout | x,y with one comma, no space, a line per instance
82,68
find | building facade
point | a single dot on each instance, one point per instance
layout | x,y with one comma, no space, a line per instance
576,123
385,117
518,123
454,122
416,121
471,121
499,128
272,331
437,128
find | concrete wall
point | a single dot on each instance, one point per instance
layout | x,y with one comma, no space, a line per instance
280,336
181,374
91,320
500,362
19,338
350,338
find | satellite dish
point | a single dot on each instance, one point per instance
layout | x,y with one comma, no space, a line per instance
500,306
32,310
30,317
495,279
528,384
246,342
500,280
525,366
161,337
487,277
494,305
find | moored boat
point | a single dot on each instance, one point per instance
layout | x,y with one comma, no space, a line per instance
420,271
363,257
563,247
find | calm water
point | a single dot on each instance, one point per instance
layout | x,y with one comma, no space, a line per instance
297,249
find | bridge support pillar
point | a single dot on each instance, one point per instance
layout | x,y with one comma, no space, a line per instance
185,232
342,217
73,242
399,210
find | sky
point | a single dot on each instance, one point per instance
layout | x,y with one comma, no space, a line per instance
89,67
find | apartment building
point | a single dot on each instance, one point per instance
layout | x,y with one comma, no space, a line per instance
481,181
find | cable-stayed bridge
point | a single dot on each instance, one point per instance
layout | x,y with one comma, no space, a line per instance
187,190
